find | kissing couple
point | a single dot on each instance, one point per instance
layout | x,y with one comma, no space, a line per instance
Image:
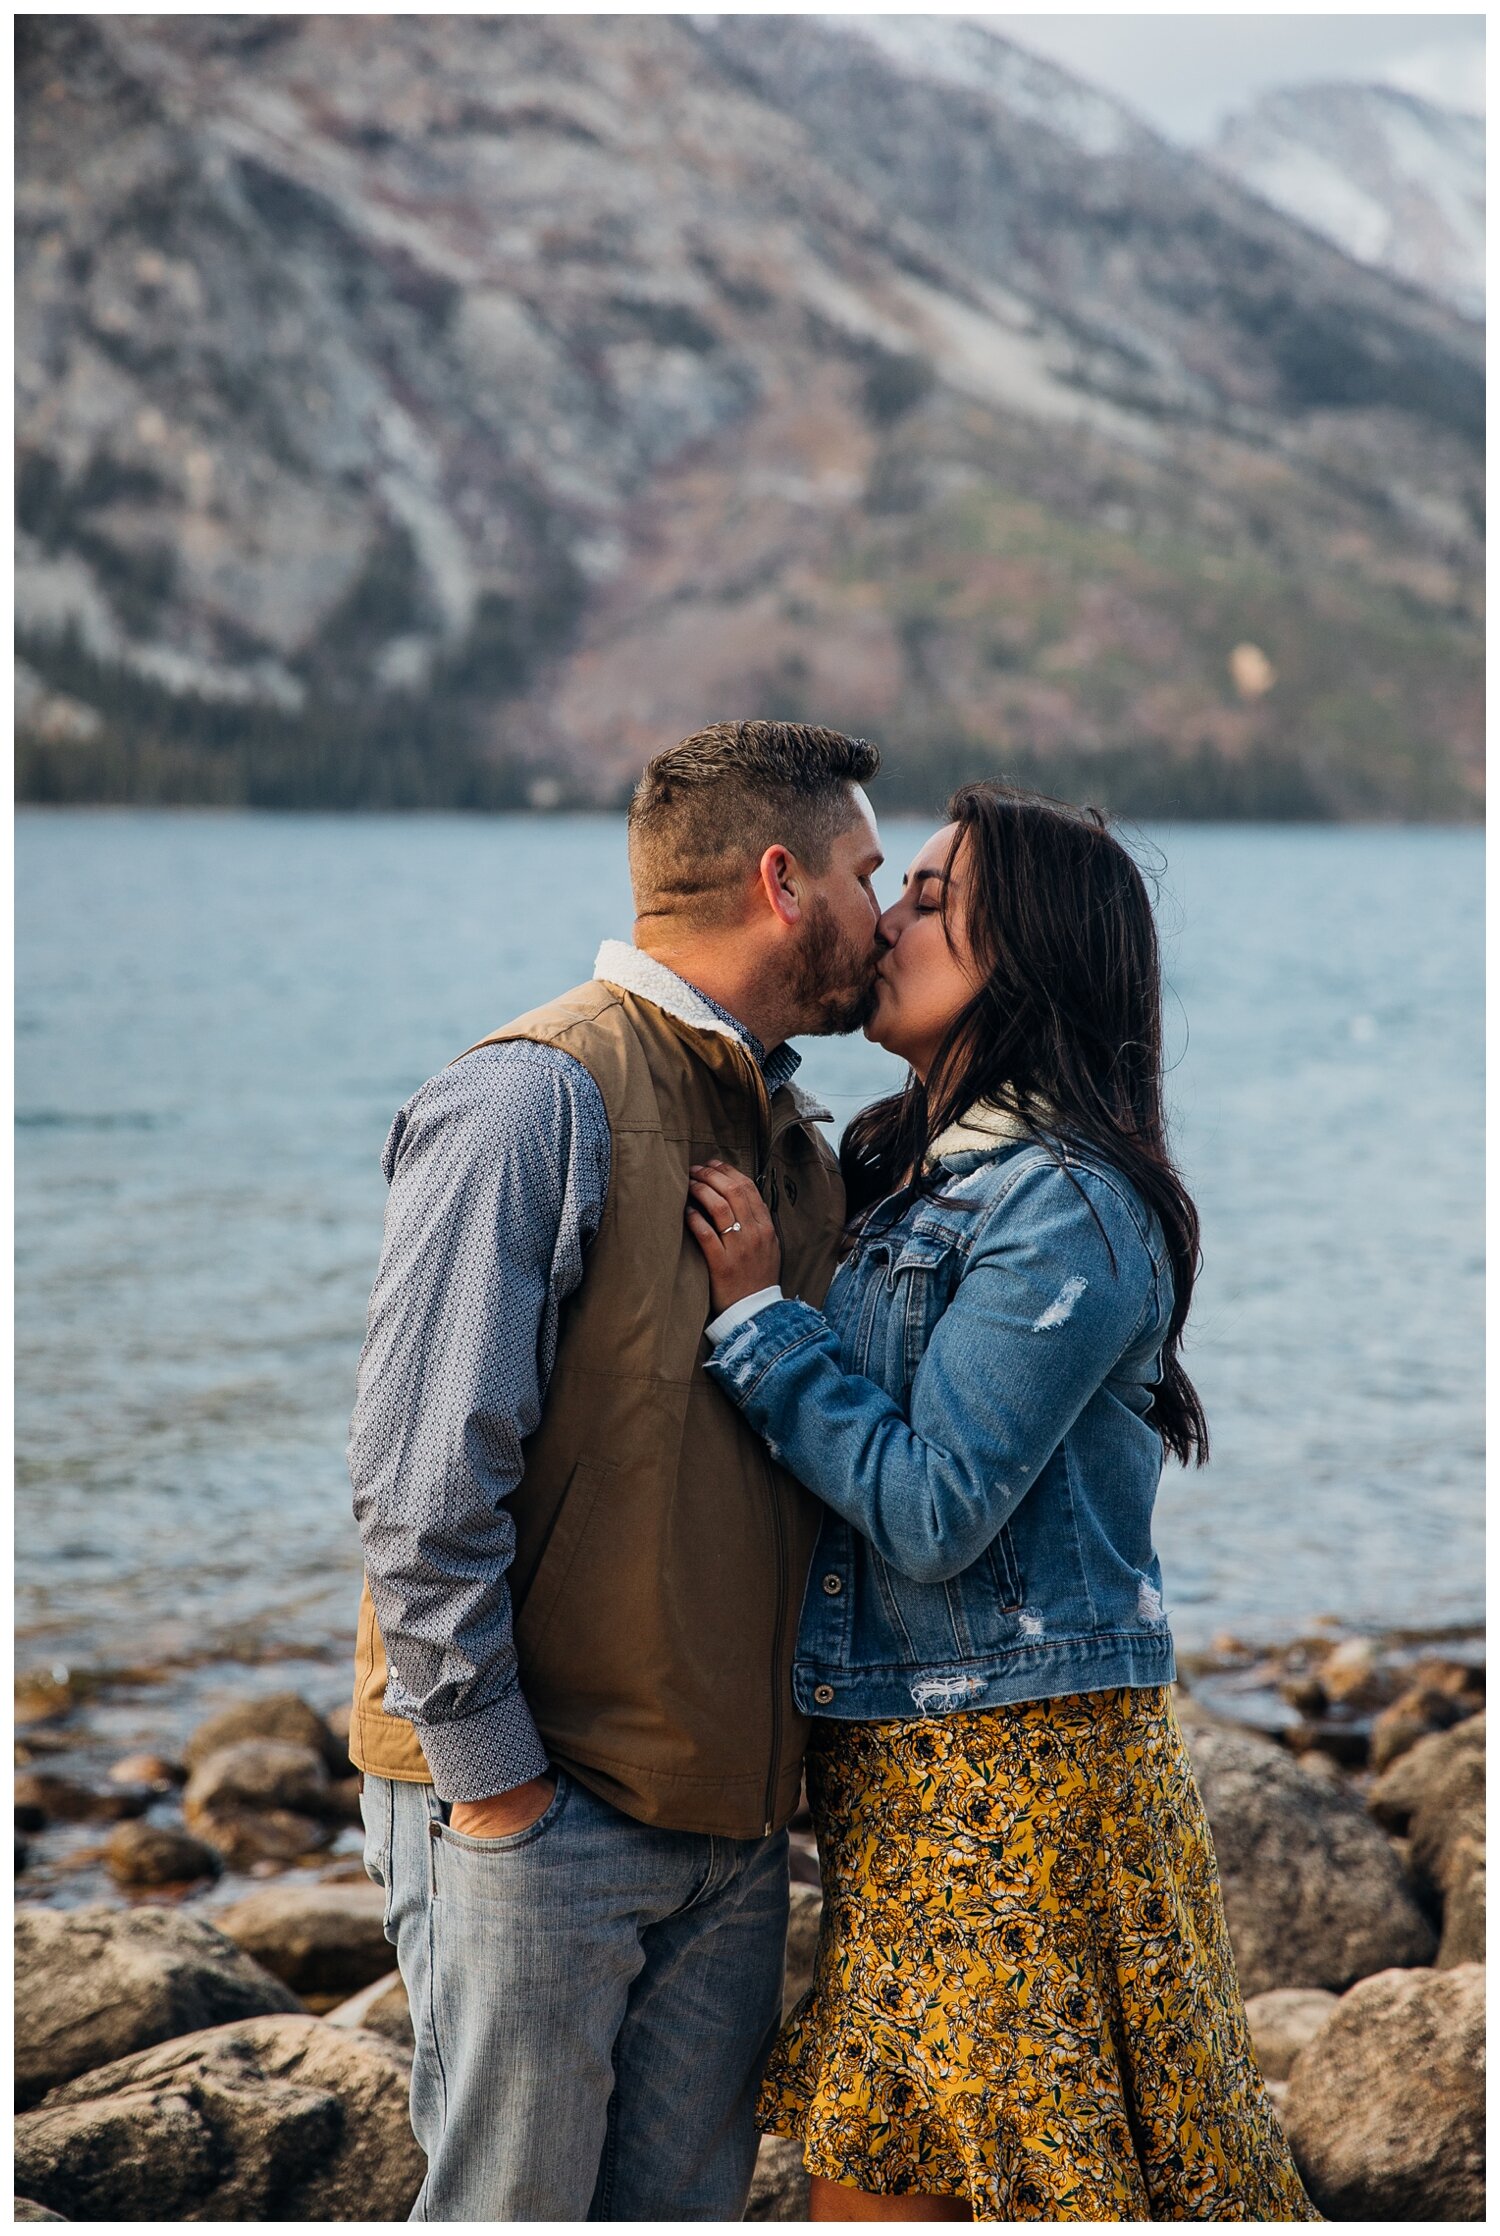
688,1458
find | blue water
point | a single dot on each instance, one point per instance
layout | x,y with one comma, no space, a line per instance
218,1015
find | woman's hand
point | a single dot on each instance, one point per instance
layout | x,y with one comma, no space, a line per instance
733,1229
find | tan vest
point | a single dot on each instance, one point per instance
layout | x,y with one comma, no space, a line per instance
660,1555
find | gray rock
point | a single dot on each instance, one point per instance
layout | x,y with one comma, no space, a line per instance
284,1716
1439,1779
779,2190
382,2007
260,1800
26,2208
148,1855
246,1838
340,1803
1282,2023
46,1797
322,1940
1434,1795
158,1772
1313,1891
97,1984
269,2119
257,1774
1384,2109
801,1943
336,1723
1352,1673
1463,1940
1420,1711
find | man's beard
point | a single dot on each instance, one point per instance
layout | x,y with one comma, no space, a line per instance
833,981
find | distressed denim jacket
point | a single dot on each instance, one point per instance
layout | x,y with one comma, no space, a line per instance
971,1408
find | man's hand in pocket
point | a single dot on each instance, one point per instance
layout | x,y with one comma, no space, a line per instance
504,1813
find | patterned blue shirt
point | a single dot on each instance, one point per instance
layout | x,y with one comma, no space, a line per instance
498,1171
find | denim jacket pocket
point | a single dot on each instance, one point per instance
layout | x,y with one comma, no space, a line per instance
924,1272
1003,1571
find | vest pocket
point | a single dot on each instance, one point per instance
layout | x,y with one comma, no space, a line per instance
569,1526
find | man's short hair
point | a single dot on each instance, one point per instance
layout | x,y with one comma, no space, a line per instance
705,811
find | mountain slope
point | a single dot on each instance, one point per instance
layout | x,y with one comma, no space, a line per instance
1395,181
451,410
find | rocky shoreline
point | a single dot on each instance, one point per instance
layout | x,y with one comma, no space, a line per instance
223,2036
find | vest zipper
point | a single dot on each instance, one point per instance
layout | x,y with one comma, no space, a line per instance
778,1525
774,1773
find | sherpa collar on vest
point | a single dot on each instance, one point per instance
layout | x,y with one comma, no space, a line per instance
984,1125
635,972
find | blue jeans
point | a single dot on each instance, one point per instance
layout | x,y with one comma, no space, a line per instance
593,2001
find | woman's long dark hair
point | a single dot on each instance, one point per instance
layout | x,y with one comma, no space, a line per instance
1065,1032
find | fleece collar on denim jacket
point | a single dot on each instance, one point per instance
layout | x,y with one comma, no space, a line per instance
984,1125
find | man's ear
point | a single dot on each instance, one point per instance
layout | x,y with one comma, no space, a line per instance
781,882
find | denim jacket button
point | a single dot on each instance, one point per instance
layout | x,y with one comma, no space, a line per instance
833,1585
822,1694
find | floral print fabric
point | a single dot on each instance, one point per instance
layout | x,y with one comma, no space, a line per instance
1024,1993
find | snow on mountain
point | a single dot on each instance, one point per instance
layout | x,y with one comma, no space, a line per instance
949,51
1396,181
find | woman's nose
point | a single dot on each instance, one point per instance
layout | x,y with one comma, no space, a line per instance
888,930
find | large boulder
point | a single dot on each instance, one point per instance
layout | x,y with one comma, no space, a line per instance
45,1797
148,1855
1313,1891
247,1837
1384,2109
257,1774
382,2007
94,1985
1434,1794
1463,1940
803,1928
1418,1712
779,2190
1282,2023
260,1801
337,1723
326,1940
273,2119
285,1716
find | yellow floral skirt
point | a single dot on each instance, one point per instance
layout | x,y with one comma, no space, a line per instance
1024,1993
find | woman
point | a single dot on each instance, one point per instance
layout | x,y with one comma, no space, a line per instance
1025,2006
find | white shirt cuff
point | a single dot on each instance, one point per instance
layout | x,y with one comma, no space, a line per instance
734,1314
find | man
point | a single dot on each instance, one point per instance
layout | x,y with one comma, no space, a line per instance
573,1709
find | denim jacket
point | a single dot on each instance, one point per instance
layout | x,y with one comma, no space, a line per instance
971,1408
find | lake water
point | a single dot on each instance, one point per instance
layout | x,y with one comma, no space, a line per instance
217,1017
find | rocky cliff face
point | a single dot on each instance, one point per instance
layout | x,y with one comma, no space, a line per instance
454,410
1397,182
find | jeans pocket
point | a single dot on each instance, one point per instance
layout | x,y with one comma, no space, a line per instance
375,1811
503,1843
377,1807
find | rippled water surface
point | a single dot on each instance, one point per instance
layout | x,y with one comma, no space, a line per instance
217,1017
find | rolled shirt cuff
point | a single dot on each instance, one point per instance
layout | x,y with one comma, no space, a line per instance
478,1756
735,1315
